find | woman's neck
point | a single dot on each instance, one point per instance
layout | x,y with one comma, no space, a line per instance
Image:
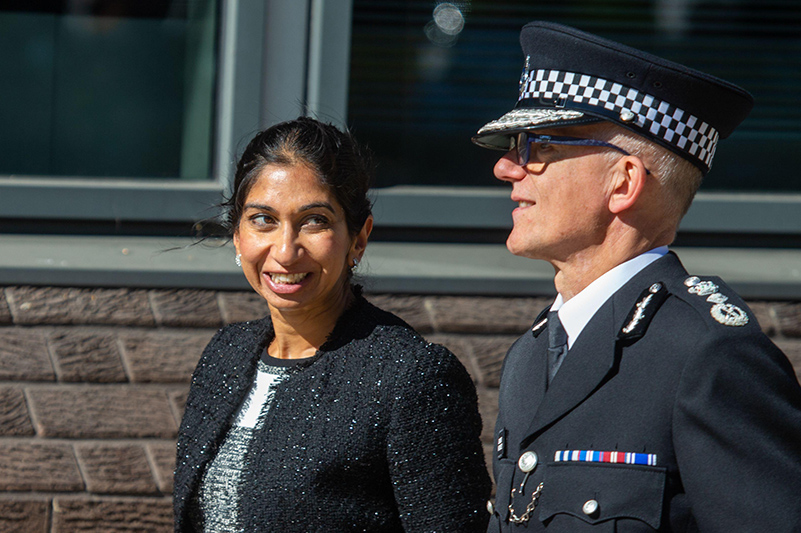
300,333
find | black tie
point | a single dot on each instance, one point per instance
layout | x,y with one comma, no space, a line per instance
557,344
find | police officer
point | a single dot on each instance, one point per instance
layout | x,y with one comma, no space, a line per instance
645,398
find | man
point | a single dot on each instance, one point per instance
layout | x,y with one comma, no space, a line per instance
644,398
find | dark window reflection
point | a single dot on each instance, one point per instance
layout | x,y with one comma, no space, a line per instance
120,88
422,82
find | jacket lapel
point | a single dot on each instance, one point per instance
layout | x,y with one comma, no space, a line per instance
585,367
231,382
593,358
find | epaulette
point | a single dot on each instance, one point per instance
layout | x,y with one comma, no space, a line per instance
640,316
707,295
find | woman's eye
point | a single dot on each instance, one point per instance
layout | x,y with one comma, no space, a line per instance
262,220
316,220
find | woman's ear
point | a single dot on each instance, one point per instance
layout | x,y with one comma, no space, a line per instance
360,241
630,176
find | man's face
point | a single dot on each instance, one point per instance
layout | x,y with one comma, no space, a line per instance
562,195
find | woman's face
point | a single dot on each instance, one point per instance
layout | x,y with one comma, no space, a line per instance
294,241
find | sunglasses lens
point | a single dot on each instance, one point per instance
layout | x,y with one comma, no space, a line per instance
522,145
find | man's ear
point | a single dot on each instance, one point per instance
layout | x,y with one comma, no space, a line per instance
628,185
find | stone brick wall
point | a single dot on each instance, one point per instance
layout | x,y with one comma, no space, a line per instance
93,382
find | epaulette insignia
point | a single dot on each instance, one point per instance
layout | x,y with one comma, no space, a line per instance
726,314
643,312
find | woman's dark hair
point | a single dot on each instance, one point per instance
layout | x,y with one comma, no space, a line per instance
335,156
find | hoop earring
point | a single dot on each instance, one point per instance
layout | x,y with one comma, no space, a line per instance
238,260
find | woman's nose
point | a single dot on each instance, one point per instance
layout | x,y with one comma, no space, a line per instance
287,249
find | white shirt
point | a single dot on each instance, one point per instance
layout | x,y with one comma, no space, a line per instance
577,312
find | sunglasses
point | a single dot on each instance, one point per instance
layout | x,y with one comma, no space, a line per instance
522,144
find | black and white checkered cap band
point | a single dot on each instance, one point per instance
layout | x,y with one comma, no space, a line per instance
657,117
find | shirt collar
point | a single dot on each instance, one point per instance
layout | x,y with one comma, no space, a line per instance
577,312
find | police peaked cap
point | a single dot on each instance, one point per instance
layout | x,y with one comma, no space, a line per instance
573,78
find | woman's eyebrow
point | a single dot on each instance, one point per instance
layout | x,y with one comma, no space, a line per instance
315,205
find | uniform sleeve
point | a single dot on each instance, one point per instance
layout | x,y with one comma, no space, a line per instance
737,435
434,452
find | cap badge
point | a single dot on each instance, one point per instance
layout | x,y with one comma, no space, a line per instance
524,76
729,315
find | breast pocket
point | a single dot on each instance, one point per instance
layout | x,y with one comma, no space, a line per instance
622,498
504,476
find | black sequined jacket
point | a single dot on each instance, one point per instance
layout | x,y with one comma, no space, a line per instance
379,432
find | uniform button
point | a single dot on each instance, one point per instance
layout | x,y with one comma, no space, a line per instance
528,461
490,507
590,507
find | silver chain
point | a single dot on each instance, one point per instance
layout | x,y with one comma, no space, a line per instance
529,508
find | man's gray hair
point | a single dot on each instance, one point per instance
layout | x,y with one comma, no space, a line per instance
679,177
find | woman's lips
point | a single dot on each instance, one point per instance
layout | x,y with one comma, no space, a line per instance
285,283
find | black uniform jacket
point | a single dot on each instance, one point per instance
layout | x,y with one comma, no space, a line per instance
718,406
379,433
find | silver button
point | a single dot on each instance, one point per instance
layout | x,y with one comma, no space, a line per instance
528,461
490,507
692,281
627,115
590,507
655,288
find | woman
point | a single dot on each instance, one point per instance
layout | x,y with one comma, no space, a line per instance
330,414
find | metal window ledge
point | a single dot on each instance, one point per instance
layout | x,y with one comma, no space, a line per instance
431,268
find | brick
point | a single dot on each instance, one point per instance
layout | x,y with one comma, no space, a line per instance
763,312
186,308
488,353
792,348
23,355
57,305
24,516
98,411
162,457
163,357
460,348
488,407
242,306
14,418
412,309
115,468
465,314
28,465
5,312
178,403
112,515
788,318
86,356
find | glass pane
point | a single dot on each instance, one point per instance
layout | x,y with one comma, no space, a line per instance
107,88
419,89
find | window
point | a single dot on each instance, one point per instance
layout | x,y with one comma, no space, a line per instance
426,75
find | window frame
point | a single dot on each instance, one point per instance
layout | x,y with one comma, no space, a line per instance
258,44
